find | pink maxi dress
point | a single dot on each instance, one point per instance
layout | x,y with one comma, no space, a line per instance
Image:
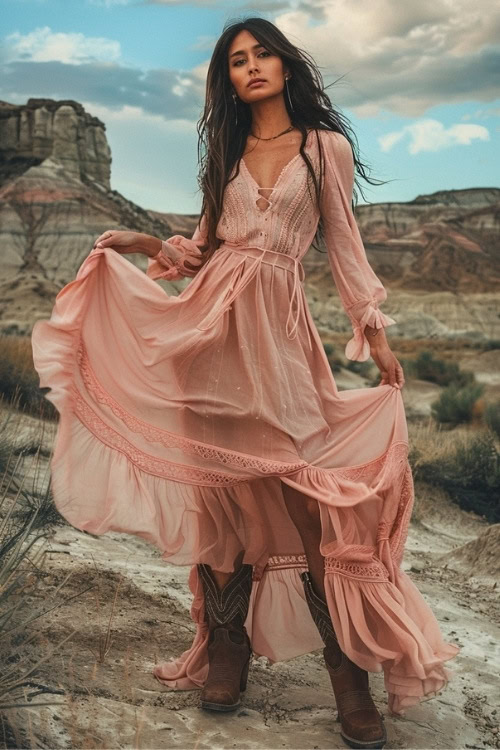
181,417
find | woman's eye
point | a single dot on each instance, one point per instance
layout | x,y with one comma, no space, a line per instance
242,59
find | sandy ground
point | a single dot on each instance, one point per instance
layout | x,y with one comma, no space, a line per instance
117,703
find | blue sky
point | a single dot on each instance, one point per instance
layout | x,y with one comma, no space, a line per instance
421,82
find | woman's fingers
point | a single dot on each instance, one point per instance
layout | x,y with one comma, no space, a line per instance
105,239
390,369
400,376
120,240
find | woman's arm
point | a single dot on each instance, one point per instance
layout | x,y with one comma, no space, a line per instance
359,288
123,242
166,257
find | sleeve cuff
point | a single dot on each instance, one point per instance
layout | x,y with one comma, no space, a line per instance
169,264
358,347
162,267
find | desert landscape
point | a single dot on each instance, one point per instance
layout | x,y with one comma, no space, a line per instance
83,619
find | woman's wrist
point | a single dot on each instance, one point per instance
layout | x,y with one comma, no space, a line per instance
375,336
151,245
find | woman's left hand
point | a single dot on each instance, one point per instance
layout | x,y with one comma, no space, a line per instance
390,369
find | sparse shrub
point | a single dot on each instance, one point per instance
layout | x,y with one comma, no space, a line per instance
470,475
27,515
456,405
491,344
19,381
428,367
492,417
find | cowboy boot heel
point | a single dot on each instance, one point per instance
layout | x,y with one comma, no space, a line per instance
244,677
229,649
361,723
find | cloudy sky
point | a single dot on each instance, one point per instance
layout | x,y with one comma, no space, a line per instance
420,82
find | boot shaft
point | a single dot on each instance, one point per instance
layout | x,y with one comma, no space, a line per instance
227,606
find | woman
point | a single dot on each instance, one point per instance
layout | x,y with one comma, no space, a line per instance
210,423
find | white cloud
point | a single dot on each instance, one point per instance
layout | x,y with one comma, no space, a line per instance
399,56
390,139
44,45
431,135
137,115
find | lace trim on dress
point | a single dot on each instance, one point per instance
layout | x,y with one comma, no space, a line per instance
171,440
372,571
157,466
396,454
278,562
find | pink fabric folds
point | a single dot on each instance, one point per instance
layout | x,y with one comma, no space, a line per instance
183,417
359,288
173,254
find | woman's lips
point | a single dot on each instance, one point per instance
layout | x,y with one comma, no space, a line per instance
255,83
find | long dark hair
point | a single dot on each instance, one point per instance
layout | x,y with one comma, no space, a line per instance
221,142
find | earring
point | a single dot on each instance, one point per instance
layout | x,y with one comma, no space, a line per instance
235,108
288,92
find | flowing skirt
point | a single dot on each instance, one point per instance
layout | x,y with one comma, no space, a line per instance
180,419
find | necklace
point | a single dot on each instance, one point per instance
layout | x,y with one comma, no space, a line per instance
274,136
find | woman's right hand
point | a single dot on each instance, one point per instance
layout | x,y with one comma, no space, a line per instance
129,242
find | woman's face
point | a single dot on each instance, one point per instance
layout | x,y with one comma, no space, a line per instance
249,60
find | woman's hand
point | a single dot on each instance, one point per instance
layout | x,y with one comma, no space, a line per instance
129,242
390,369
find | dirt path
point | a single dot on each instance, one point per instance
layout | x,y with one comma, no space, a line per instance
119,704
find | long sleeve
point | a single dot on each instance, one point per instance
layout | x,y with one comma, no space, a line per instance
359,288
169,264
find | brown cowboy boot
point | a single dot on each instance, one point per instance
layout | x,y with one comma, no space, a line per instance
361,723
229,648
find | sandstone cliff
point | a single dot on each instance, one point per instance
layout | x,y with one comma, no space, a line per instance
55,199
62,130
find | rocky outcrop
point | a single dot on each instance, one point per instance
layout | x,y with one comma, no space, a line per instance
55,199
439,259
386,221
448,241
60,130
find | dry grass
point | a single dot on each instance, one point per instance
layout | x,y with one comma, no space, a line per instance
27,517
435,444
19,381
16,350
461,465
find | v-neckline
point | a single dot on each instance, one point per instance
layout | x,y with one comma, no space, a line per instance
288,164
279,176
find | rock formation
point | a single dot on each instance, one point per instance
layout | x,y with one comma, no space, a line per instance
55,199
60,130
